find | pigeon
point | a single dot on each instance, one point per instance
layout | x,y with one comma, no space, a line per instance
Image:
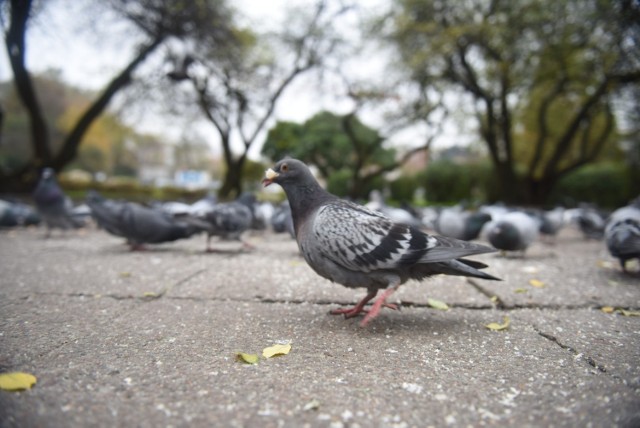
622,233
14,213
52,204
106,213
514,231
591,222
551,221
399,215
354,246
229,221
282,220
140,225
456,223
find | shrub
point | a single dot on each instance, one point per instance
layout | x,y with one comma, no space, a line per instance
607,185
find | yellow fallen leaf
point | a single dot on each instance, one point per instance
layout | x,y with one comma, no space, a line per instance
125,274
607,309
520,290
629,313
311,405
497,327
247,358
16,381
605,264
494,299
150,294
274,350
437,304
536,283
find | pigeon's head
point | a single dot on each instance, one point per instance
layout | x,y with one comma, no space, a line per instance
287,171
47,173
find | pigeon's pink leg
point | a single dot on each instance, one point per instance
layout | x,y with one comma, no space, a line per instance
352,312
378,304
357,309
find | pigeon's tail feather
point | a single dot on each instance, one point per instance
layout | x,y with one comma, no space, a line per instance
463,267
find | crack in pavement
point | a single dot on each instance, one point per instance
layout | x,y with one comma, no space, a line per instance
571,349
150,296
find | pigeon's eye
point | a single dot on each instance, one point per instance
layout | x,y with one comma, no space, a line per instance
284,167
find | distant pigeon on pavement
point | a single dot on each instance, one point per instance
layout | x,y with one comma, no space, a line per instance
457,223
357,247
14,213
622,233
52,204
140,225
106,213
514,231
229,220
400,215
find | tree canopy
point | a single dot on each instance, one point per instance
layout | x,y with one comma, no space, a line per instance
347,153
539,77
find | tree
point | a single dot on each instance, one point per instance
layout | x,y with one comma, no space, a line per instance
237,90
155,22
338,145
545,70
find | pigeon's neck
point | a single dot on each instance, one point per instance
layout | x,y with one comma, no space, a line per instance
305,199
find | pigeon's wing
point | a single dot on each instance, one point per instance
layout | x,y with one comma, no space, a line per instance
144,225
363,240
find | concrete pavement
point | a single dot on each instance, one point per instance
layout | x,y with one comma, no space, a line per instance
149,339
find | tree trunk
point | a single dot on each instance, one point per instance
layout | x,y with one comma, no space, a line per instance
23,179
70,148
232,182
15,43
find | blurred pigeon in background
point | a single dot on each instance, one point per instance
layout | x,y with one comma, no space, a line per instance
52,204
282,219
357,247
14,213
513,231
455,222
230,220
622,233
399,215
589,219
140,225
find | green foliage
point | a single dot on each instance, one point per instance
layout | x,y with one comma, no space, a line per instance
542,76
404,188
347,153
130,190
607,185
446,182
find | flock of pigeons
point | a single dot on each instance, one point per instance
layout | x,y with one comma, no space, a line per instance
373,246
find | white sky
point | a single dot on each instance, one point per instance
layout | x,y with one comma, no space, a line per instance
90,62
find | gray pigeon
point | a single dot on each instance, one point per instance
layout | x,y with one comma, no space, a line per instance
357,247
106,212
622,233
514,231
52,204
140,225
229,221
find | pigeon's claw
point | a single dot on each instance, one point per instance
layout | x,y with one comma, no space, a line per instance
377,305
357,309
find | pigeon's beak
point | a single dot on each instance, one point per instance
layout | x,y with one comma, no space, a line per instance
269,175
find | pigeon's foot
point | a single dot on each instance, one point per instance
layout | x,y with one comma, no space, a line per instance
137,247
377,305
357,309
247,246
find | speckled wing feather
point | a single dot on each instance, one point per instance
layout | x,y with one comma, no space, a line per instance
363,240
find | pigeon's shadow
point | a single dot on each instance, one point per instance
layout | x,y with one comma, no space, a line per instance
387,322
